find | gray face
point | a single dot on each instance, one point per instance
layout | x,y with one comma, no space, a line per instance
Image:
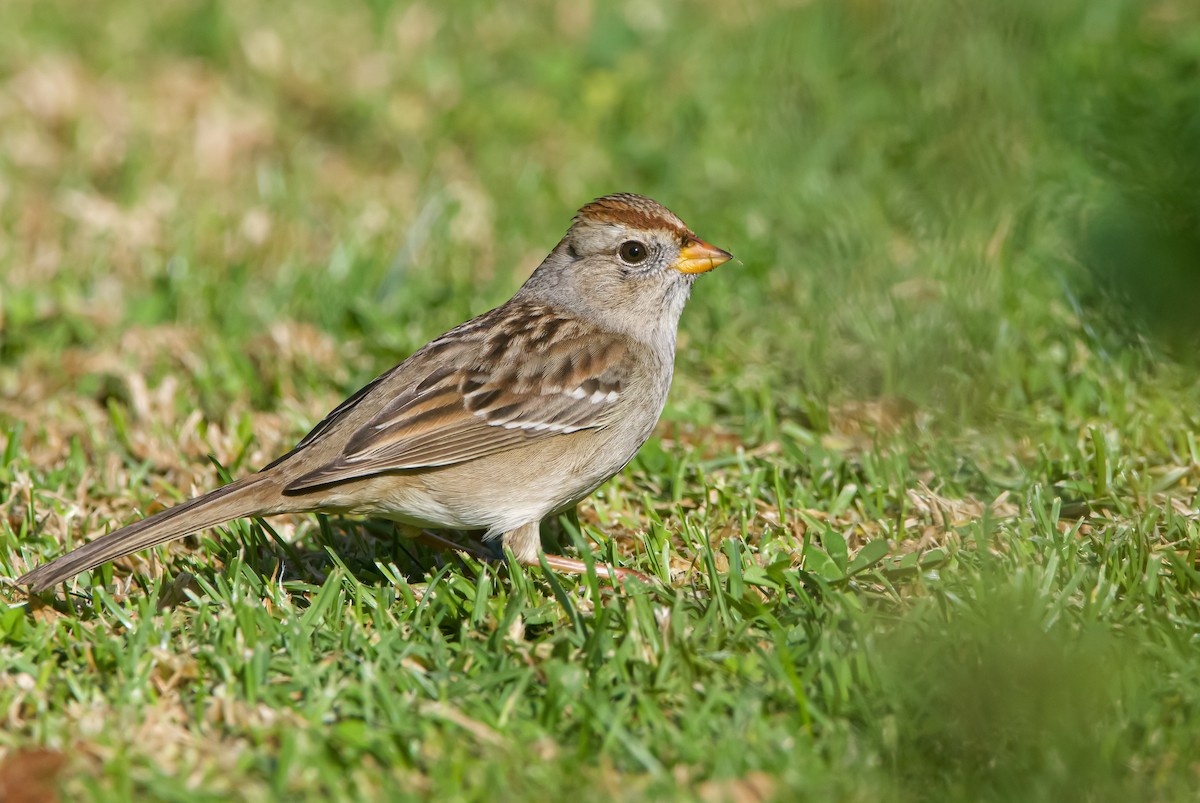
636,254
623,277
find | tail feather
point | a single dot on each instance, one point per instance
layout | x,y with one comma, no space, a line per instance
246,497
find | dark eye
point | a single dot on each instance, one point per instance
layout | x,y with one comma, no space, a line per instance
633,252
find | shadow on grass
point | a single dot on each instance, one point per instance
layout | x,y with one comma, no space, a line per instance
358,544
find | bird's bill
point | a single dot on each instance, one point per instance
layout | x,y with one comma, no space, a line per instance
698,257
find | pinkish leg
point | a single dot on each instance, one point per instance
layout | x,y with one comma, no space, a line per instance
529,557
575,566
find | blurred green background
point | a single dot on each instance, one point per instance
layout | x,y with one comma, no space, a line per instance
900,180
969,244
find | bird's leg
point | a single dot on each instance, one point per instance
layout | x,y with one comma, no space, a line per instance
526,545
560,563
435,541
555,528
528,557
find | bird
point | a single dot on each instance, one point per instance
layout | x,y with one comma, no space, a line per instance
511,417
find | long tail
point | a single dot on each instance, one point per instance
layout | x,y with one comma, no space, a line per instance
257,494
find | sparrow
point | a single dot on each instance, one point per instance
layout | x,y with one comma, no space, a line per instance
513,416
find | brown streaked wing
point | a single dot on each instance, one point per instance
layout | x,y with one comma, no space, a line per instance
505,388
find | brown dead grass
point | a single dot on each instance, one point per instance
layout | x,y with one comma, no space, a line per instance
204,139
31,776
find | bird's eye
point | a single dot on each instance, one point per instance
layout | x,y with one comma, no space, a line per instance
633,252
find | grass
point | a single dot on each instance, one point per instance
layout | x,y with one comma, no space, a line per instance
922,506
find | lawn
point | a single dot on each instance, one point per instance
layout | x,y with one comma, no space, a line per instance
922,510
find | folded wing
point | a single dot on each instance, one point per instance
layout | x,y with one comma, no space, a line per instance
484,388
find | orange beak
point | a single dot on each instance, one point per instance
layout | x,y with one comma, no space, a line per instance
698,257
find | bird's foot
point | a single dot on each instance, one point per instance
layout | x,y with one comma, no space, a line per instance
558,563
435,541
567,565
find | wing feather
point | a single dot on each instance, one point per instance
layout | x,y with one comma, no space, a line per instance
484,389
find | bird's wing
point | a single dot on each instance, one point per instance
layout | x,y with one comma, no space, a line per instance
483,388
